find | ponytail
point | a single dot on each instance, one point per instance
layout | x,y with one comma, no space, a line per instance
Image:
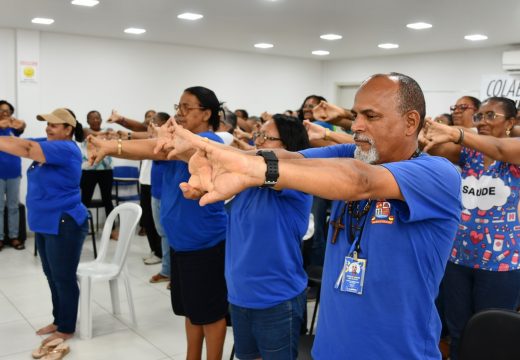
79,136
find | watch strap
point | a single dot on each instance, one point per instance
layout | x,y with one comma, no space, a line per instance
271,173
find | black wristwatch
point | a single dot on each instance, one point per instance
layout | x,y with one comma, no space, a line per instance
271,174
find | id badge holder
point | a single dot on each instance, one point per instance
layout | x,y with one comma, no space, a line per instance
352,276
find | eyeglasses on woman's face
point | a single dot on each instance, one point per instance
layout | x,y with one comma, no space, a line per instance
184,108
461,107
260,137
488,116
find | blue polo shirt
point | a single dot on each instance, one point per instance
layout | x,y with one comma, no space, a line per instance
187,225
406,245
53,187
157,178
10,165
264,265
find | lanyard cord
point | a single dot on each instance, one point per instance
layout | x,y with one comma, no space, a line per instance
363,214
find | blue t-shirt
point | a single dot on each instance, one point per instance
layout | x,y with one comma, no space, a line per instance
157,178
264,265
489,232
187,225
53,187
10,165
406,245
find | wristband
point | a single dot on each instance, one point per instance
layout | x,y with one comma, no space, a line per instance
119,146
271,173
461,137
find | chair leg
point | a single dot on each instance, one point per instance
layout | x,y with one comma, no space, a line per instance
97,219
114,295
315,311
35,248
232,353
130,299
85,308
93,234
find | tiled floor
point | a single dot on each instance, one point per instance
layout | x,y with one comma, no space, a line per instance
25,306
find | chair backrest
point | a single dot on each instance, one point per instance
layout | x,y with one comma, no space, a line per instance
126,172
124,178
129,215
491,334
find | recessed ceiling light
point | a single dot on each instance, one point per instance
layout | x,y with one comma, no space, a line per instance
190,16
419,26
263,46
320,52
388,46
89,3
331,37
135,31
42,21
475,37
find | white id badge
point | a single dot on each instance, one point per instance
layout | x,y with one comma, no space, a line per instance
352,275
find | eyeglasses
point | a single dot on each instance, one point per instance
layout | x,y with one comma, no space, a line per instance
5,111
488,115
185,108
260,135
461,107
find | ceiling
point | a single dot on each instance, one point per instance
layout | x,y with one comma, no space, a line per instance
293,26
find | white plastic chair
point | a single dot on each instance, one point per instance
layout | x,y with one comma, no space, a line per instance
111,269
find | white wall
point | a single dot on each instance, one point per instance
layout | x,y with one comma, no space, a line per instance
87,73
443,76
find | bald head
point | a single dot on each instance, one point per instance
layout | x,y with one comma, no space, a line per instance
408,95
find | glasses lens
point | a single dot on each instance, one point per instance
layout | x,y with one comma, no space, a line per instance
477,117
490,115
461,107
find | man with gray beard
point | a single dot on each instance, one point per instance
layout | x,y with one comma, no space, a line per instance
392,222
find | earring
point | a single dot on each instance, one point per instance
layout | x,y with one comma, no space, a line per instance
508,132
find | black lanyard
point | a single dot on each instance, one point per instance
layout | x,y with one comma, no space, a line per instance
359,214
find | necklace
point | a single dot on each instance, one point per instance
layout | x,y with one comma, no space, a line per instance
354,211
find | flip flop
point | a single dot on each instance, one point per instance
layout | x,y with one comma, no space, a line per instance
44,349
58,352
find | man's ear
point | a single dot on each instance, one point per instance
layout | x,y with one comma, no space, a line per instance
413,121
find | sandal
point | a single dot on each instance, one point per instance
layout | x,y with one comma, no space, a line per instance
17,244
58,352
44,349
